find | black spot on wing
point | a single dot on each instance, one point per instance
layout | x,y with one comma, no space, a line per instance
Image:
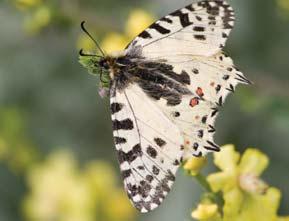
159,141
149,178
185,78
159,28
126,173
198,28
126,124
145,34
119,140
190,7
200,133
131,155
184,18
166,19
204,119
170,176
176,114
155,170
115,107
152,152
199,18
212,146
200,37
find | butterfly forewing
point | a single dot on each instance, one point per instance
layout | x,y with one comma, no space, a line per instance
198,29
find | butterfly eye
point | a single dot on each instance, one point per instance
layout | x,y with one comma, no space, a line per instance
103,63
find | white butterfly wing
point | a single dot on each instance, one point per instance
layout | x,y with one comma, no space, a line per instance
151,135
149,147
199,29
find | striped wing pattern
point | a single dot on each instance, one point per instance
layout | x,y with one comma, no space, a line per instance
149,147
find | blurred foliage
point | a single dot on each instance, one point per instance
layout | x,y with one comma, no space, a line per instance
45,103
16,150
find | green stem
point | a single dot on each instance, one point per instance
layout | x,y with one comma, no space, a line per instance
203,182
217,197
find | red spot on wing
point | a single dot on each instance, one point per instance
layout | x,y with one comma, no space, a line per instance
194,101
200,92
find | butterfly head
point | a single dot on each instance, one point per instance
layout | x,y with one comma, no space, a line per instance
96,64
104,63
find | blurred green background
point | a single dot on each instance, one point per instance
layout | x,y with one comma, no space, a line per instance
57,159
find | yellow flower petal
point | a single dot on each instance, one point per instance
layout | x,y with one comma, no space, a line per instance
195,164
227,158
259,207
114,42
220,181
283,218
205,211
233,202
253,162
271,199
138,21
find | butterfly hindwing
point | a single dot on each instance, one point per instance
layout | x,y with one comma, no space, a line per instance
149,147
211,79
200,29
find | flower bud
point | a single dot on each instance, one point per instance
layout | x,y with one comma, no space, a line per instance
205,211
194,165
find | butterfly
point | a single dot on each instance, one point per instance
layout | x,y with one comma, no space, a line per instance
166,88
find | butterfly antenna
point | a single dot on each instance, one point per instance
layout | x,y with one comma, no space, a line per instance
89,35
81,53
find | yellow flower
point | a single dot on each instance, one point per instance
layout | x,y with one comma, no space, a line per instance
252,164
283,4
114,42
194,165
38,20
246,196
205,212
59,190
228,180
138,21
258,207
26,4
85,43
